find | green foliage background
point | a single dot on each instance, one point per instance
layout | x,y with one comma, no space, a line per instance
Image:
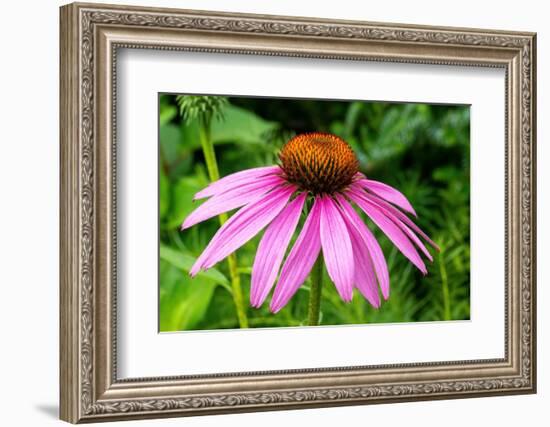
423,150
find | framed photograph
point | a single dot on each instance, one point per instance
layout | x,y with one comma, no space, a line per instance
266,212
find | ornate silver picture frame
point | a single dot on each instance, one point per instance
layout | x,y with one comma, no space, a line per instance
91,34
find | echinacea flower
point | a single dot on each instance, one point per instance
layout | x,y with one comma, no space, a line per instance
319,170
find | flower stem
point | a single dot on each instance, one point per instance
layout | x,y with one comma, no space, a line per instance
214,175
314,307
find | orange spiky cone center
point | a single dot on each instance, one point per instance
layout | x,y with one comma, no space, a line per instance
320,163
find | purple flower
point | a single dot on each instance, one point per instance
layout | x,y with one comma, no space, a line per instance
321,169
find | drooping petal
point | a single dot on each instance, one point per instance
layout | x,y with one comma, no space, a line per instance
365,279
375,251
410,234
235,180
401,216
271,250
387,193
242,226
232,199
414,238
394,233
300,260
337,249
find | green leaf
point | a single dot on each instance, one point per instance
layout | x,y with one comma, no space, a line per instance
183,301
170,140
185,261
167,113
164,194
190,135
237,126
176,153
240,126
181,198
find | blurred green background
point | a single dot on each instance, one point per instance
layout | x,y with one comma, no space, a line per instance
421,149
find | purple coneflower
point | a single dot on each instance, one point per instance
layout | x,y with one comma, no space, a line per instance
319,170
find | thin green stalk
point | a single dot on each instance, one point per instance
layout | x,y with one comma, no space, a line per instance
445,288
314,306
214,175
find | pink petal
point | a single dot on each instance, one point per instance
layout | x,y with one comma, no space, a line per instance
337,250
387,193
412,236
300,260
365,279
377,256
235,180
271,250
401,217
242,226
231,199
402,226
389,228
